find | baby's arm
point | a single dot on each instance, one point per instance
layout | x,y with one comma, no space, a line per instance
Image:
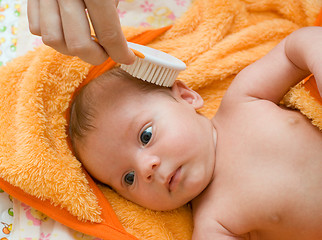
289,62
207,223
211,229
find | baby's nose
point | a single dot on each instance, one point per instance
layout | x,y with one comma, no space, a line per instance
148,166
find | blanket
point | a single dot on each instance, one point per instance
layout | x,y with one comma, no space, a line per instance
216,39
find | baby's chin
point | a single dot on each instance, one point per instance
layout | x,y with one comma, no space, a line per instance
171,203
167,207
190,190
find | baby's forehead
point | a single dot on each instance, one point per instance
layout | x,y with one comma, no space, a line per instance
113,92
118,83
111,87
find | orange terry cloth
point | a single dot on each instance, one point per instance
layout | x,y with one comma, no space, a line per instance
216,39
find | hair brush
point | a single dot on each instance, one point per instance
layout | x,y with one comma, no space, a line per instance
154,66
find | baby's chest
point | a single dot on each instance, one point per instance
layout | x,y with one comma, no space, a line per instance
271,207
270,176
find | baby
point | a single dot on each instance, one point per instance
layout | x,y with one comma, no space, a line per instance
254,171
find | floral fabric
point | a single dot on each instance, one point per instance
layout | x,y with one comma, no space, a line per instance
6,216
9,17
31,224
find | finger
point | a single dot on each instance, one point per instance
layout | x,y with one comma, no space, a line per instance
108,30
33,16
51,26
77,32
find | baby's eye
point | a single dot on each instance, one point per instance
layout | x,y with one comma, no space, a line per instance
129,178
146,136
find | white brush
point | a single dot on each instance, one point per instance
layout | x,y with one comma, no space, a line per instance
154,66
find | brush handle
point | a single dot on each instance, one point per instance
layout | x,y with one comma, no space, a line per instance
154,66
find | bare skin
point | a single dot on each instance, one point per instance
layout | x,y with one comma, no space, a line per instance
268,184
64,26
267,180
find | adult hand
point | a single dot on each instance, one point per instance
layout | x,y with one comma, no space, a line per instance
64,26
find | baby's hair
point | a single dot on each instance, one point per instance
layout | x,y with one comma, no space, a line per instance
85,105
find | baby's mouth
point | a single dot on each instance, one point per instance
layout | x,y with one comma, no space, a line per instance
174,180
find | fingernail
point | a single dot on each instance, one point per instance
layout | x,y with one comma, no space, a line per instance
131,61
93,37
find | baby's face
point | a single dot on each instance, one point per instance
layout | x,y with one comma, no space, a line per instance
152,149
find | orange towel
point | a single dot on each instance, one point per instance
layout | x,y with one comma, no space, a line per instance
216,39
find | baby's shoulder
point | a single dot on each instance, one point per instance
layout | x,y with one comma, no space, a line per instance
244,109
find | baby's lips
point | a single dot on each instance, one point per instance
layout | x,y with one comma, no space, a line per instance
174,179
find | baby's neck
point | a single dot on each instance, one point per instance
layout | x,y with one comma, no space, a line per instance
195,201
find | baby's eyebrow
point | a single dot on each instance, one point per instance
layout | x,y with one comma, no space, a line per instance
132,124
115,179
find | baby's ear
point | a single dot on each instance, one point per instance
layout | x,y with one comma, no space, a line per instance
181,91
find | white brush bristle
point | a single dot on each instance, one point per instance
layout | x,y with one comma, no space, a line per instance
156,67
151,72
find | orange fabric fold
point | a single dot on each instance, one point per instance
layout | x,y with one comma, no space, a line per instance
318,21
311,86
109,228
